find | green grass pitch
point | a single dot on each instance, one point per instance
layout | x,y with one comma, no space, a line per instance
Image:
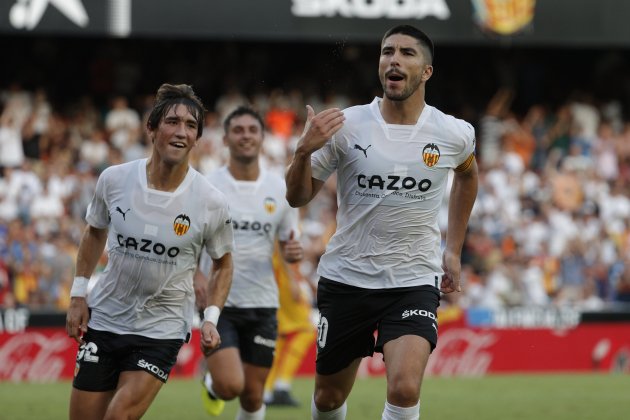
498,397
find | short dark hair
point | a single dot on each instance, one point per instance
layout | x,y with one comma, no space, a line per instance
413,32
240,111
170,95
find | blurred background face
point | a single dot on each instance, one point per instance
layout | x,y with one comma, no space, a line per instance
244,138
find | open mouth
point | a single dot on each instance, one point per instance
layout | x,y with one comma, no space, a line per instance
178,144
395,77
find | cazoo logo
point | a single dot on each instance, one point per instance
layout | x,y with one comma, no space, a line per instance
254,226
147,245
392,183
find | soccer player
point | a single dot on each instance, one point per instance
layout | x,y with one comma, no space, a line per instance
296,333
156,216
260,215
382,270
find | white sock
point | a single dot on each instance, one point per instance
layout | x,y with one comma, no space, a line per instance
207,383
267,395
256,415
336,414
282,385
392,412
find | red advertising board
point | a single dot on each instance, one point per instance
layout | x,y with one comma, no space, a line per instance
47,354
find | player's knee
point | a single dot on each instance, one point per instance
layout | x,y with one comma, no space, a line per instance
251,402
328,399
227,390
403,392
118,412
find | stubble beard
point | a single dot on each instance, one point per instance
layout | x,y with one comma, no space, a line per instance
406,92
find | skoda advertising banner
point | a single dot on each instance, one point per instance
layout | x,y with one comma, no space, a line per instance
461,22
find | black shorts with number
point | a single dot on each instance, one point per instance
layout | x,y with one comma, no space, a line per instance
104,355
349,316
252,330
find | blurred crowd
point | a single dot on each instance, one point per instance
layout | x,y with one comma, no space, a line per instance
550,226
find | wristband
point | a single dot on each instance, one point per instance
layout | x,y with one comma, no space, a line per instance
211,314
79,287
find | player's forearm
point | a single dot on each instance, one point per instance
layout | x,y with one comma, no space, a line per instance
462,199
299,180
220,280
90,250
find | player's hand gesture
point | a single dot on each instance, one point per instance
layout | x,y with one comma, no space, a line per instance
319,128
210,338
77,318
291,249
452,266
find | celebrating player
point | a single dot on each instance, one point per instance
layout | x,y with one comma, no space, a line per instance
248,325
382,270
156,215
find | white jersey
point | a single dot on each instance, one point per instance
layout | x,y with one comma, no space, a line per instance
153,245
260,214
390,182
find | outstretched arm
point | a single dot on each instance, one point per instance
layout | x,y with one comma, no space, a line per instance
462,199
301,186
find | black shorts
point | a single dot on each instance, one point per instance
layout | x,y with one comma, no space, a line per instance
104,355
252,330
350,315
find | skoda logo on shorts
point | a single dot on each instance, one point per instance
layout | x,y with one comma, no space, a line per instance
181,224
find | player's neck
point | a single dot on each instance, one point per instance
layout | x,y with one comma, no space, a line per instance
242,171
164,177
404,112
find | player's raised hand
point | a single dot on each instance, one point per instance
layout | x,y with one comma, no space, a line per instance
319,128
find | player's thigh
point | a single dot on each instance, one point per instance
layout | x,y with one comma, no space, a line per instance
135,393
226,368
88,405
405,362
255,377
332,390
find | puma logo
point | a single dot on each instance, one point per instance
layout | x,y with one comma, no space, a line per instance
358,147
119,210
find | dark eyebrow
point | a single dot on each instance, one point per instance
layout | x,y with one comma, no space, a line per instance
176,117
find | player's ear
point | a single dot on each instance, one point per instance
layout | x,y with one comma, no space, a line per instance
427,72
150,132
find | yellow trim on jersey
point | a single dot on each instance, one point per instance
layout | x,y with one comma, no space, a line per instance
466,164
